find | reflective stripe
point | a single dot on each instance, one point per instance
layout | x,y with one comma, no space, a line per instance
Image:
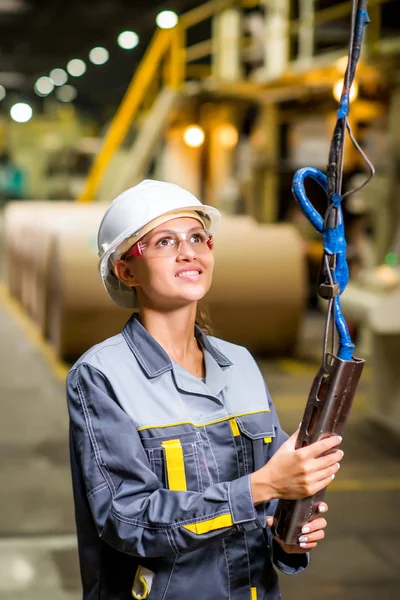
234,427
253,412
142,583
267,440
175,465
211,524
253,593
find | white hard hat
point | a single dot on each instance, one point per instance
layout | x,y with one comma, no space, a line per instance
134,213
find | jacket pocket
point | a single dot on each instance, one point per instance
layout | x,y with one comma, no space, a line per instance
255,433
177,460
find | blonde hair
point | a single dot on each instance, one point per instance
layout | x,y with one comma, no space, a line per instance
203,320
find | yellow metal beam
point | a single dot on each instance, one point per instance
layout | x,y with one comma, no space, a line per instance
177,57
199,50
198,71
203,12
127,111
211,8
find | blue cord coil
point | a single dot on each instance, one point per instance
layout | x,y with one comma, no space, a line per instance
334,242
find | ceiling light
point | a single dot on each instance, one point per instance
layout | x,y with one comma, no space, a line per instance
76,67
193,136
58,76
2,92
338,87
228,135
167,19
44,86
21,112
128,40
99,55
66,93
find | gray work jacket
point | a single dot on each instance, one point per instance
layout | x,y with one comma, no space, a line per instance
161,464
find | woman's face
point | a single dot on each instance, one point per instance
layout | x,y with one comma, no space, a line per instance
176,279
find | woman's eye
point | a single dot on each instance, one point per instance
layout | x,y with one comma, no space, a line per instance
198,238
165,242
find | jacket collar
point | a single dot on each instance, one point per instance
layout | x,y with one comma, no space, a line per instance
152,357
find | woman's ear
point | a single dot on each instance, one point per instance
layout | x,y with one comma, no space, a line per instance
124,274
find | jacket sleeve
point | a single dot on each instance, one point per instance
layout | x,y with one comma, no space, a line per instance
290,564
131,511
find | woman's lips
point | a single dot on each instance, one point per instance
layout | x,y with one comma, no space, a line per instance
192,274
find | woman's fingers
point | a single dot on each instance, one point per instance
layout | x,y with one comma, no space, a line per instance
314,525
309,538
319,485
325,461
270,521
312,533
308,545
325,473
323,507
317,448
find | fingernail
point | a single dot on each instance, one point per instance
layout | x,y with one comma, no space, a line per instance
333,476
322,508
303,538
339,438
303,545
338,465
342,452
305,530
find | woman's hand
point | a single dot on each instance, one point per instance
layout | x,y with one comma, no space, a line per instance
312,533
293,474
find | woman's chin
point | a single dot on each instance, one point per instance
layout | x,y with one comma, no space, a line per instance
186,298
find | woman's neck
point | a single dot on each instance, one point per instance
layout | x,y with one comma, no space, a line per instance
173,330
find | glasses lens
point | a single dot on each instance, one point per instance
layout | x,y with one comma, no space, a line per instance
167,244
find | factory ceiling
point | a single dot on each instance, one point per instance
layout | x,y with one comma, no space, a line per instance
37,36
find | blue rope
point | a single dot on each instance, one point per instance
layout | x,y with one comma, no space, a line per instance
334,242
344,105
362,20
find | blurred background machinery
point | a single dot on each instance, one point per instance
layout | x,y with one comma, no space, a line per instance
227,99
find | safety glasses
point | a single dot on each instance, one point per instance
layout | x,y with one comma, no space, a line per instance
169,243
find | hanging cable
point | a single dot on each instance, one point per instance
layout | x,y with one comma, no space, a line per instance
335,384
334,271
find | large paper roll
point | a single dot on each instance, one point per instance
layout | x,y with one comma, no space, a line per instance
80,312
74,219
258,294
18,219
41,224
31,228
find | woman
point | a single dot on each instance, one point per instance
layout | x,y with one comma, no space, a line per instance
176,450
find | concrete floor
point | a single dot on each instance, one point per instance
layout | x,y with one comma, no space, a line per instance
360,559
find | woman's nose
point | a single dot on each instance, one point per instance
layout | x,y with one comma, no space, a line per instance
185,250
